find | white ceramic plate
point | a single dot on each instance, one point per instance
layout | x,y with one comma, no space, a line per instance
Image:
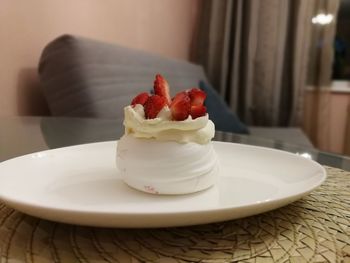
80,185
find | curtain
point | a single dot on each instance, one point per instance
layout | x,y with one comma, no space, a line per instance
256,54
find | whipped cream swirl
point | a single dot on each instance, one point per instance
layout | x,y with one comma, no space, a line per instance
200,130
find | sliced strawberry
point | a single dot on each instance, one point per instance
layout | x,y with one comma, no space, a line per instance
180,106
153,106
161,88
197,96
198,111
140,99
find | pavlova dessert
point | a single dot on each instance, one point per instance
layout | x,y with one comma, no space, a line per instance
166,148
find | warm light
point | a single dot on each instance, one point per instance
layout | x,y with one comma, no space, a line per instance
322,19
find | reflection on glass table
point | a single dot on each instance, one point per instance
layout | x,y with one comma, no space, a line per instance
21,135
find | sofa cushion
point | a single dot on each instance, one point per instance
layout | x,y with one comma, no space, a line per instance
222,116
87,78
81,77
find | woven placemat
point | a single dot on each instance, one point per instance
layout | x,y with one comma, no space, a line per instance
313,229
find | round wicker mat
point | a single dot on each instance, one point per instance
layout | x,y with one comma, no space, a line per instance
313,229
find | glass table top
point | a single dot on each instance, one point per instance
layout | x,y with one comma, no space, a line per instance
22,135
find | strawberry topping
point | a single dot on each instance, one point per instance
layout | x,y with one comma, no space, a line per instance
161,88
198,111
180,106
153,106
197,96
140,99
185,103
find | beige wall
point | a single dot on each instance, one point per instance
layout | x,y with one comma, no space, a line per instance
165,27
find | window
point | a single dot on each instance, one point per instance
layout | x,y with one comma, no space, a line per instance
341,62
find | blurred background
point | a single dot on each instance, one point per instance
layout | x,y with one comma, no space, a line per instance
276,63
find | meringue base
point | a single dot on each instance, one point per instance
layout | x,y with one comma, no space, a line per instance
167,167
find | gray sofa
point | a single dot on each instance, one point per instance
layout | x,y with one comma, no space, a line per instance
85,78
